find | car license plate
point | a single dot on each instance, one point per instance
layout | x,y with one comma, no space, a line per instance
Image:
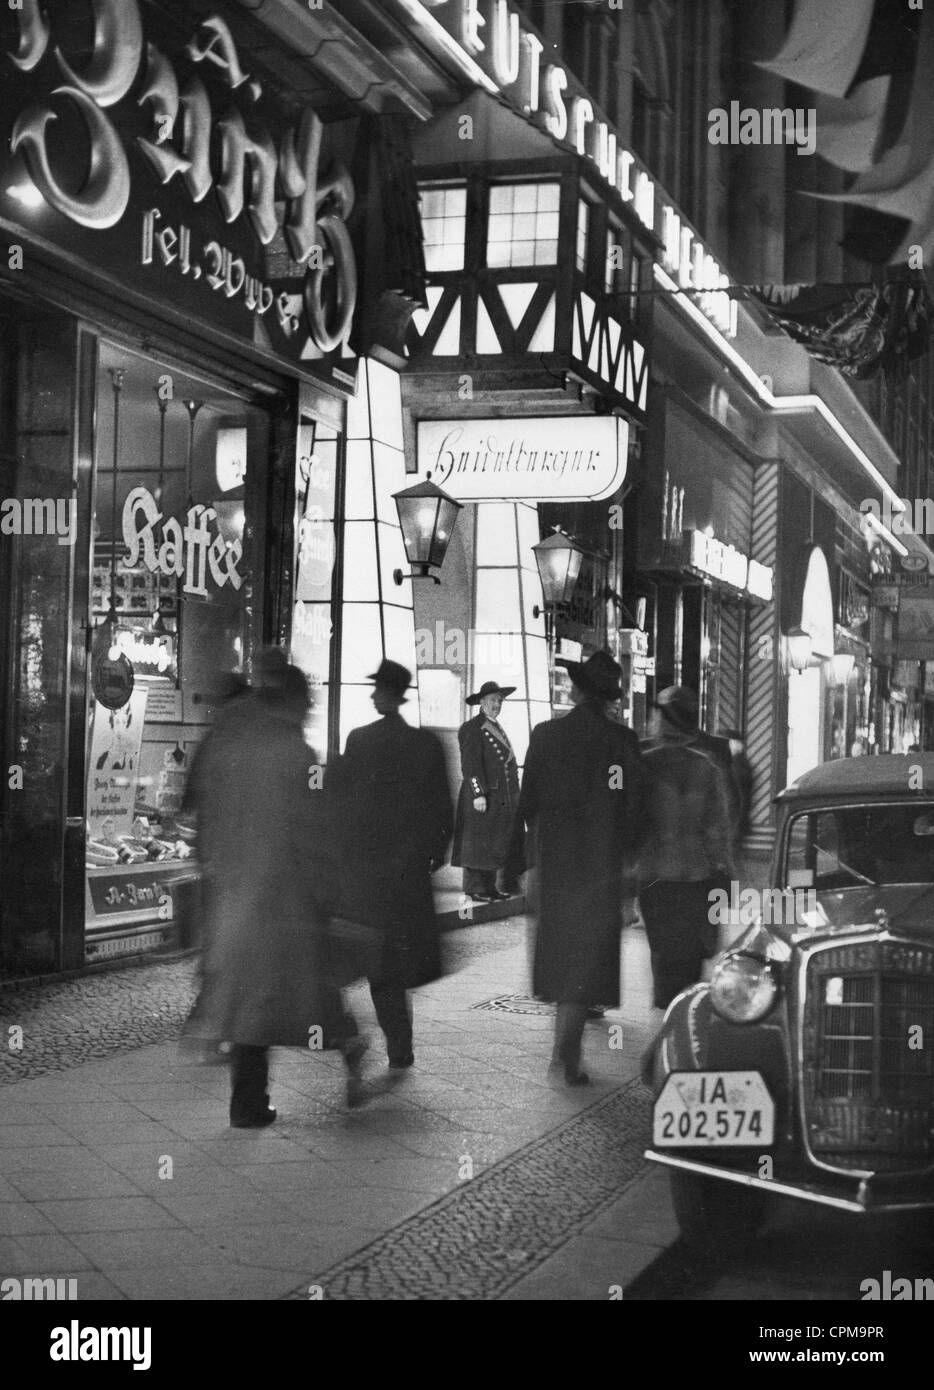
725,1108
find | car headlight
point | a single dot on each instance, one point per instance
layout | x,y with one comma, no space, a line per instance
743,988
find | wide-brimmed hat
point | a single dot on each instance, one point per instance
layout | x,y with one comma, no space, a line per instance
599,675
392,676
490,688
678,704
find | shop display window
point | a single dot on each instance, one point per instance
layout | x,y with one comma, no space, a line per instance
172,591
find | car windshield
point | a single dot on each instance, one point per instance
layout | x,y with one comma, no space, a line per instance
852,845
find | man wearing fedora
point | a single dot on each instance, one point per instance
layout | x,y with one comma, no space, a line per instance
581,802
488,797
393,821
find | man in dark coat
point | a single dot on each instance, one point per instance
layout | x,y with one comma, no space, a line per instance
581,801
681,710
263,842
488,797
393,812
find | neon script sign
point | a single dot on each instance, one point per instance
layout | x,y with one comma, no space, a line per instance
510,55
252,170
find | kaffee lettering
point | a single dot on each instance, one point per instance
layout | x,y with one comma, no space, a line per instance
187,551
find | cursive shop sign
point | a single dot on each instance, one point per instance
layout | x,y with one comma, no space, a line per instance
162,161
188,551
557,459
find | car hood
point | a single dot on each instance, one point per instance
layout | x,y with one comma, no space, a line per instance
906,909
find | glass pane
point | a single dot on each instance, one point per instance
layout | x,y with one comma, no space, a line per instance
361,642
500,661
400,636
392,557
527,518
497,599
360,582
501,195
496,533
536,651
549,197
359,496
385,404
391,477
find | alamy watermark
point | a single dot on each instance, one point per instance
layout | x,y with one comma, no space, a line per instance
40,516
771,906
770,126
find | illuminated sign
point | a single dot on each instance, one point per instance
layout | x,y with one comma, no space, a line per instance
561,459
189,552
196,120
715,560
510,56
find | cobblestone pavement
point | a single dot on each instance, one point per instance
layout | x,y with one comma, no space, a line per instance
483,1238
118,1167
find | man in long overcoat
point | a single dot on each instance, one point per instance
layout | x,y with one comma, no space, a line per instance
489,794
263,842
581,801
393,811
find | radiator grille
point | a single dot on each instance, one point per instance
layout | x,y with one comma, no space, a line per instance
869,1054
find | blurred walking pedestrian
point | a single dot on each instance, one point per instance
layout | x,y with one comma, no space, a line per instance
581,803
393,821
486,806
264,846
687,850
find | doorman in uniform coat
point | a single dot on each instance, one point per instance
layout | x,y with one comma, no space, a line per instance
486,807
581,800
393,820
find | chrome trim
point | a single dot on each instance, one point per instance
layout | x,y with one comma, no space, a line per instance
784,1189
806,953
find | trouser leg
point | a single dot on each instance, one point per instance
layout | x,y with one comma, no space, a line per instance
394,1015
480,881
569,1032
675,916
249,1077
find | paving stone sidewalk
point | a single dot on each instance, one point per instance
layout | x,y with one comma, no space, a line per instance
120,1170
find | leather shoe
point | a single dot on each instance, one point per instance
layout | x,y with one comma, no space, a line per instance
257,1121
399,1063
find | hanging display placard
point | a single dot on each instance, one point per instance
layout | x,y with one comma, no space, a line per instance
113,767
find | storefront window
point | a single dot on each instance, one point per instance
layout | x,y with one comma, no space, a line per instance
178,463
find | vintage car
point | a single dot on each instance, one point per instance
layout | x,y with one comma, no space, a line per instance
805,1067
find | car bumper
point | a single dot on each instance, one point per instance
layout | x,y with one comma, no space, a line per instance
864,1196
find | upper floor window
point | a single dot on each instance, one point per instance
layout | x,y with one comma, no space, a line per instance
523,224
444,222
